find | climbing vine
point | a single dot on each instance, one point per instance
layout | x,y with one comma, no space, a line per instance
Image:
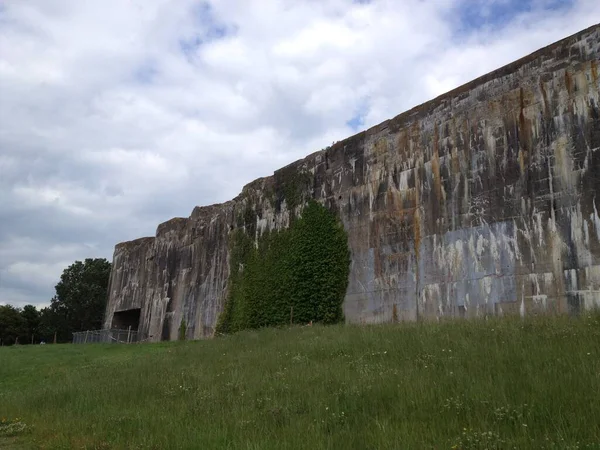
182,330
304,267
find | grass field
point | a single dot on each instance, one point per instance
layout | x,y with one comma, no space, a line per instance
479,384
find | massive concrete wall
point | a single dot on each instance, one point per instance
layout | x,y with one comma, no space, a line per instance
485,200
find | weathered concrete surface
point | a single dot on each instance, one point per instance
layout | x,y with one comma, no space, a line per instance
485,200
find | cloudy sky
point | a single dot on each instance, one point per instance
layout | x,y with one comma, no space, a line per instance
116,115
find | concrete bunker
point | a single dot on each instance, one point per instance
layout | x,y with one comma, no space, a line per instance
128,318
472,204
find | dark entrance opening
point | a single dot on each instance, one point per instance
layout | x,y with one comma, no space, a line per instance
122,320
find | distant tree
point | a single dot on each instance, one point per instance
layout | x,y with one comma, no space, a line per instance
31,317
52,321
12,324
80,300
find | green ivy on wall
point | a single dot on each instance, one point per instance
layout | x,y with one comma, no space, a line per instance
290,185
303,269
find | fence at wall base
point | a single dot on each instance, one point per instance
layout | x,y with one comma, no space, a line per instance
109,336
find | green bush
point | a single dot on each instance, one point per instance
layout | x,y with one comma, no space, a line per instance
304,267
182,330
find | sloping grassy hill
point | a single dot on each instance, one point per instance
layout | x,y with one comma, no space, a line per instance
481,384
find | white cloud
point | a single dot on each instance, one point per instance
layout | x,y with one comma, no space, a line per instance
115,116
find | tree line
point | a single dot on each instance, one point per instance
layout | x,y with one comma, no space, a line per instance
78,305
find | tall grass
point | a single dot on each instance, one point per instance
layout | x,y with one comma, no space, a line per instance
502,384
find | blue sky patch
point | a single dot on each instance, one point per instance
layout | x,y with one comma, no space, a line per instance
497,13
357,122
146,73
208,29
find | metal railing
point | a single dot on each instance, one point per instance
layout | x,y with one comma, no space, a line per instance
112,336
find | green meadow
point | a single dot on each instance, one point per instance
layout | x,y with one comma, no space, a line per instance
481,384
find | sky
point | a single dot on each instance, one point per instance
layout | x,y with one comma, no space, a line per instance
117,115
